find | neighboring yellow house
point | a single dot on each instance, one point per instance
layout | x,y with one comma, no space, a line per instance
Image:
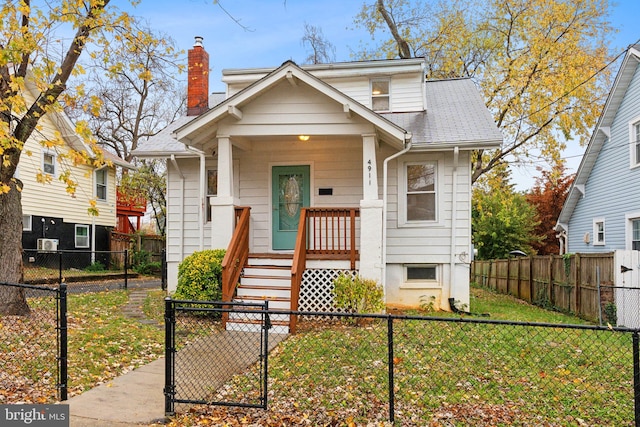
52,218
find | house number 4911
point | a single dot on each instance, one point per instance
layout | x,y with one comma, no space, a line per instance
369,167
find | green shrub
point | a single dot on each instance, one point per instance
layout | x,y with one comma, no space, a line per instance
200,276
148,268
358,294
95,266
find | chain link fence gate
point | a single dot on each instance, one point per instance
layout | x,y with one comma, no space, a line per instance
209,342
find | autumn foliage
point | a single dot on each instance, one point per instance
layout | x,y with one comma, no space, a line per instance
548,195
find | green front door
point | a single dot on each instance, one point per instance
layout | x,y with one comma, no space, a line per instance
290,192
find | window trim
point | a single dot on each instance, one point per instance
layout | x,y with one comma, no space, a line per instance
106,184
54,159
634,142
437,161
210,195
628,231
29,227
387,95
419,283
596,234
75,234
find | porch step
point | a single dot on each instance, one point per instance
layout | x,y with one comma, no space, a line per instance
266,277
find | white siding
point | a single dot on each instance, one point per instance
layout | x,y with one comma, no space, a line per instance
431,243
341,173
406,89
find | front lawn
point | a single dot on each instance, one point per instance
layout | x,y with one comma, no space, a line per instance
446,373
102,344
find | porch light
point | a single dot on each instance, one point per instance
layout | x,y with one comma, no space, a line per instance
303,137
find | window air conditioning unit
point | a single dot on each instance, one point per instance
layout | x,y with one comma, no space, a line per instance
47,245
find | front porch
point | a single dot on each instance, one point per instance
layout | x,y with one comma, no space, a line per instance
325,236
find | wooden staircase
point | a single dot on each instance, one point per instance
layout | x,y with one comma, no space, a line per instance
265,277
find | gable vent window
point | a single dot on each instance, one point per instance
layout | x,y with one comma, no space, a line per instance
380,95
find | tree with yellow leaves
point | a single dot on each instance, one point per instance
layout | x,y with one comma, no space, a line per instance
540,64
33,79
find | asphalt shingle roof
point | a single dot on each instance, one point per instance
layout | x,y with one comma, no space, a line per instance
455,114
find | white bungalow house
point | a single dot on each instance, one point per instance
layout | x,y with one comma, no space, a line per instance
313,170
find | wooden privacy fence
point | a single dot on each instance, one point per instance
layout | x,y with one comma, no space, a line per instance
152,244
578,283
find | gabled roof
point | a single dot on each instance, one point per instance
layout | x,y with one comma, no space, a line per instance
392,133
600,134
456,116
68,132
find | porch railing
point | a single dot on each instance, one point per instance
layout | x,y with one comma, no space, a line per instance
237,254
323,233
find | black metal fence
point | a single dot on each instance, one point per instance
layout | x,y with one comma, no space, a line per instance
194,333
33,348
91,271
423,370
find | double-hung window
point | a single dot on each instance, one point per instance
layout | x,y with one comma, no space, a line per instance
82,236
49,163
101,184
598,231
27,222
420,191
635,234
212,189
634,141
380,95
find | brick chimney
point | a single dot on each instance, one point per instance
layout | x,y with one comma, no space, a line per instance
198,79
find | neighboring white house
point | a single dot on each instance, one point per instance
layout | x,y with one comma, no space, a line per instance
373,156
602,210
53,219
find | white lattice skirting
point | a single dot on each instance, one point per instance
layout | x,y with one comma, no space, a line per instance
316,290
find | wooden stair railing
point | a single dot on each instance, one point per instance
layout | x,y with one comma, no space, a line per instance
298,267
236,257
323,233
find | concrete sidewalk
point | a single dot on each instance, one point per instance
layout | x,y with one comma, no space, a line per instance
135,398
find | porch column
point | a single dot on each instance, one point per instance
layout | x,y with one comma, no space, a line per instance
222,206
369,167
370,213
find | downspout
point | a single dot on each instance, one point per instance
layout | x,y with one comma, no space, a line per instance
203,196
175,165
384,209
454,201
